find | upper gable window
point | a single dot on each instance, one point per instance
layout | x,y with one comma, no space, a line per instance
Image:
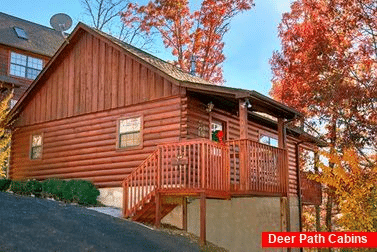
21,33
25,66
130,132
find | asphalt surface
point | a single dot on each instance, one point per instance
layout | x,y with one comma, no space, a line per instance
33,224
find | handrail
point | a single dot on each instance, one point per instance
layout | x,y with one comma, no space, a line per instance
140,185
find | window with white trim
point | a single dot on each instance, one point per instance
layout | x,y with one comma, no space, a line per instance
36,146
269,140
25,66
129,132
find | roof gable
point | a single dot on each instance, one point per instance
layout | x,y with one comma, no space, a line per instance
168,71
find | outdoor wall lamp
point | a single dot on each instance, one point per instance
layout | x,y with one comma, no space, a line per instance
209,107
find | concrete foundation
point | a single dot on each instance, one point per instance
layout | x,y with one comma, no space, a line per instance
237,224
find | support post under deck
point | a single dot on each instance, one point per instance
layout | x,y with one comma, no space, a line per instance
203,231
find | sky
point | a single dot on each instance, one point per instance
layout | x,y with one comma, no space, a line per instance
248,45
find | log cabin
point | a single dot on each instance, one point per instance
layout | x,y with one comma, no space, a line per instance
163,144
25,48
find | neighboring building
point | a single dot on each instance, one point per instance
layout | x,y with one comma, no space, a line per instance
105,111
25,48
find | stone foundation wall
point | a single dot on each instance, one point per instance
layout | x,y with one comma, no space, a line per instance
111,196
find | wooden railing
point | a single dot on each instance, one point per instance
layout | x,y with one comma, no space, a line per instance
311,191
242,167
198,164
257,168
140,185
184,167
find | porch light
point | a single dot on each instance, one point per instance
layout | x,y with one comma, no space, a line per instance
247,103
210,106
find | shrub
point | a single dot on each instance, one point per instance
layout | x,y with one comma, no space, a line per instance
17,187
33,187
80,191
4,184
53,188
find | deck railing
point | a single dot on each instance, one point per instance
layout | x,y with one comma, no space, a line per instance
198,164
257,168
311,191
183,167
240,167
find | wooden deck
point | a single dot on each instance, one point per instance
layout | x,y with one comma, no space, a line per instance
204,169
192,168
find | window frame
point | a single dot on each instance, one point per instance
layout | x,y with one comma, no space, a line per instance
269,135
118,142
225,124
26,66
32,147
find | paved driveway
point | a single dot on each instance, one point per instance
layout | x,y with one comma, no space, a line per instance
32,224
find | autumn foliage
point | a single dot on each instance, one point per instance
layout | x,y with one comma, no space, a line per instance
355,190
5,136
190,33
327,67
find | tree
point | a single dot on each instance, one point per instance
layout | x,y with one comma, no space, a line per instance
355,188
327,70
327,67
199,33
104,15
5,135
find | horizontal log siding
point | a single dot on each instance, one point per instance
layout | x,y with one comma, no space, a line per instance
91,76
198,116
85,146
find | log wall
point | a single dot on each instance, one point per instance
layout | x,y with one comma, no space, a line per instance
85,146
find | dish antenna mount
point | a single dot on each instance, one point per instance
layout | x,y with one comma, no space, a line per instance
61,22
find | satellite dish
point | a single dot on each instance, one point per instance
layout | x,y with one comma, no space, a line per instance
61,22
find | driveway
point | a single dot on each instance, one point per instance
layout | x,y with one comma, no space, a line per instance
33,224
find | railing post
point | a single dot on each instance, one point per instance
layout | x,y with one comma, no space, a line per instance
158,210
125,199
243,165
159,168
203,168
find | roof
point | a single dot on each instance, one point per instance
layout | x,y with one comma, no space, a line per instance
41,39
193,83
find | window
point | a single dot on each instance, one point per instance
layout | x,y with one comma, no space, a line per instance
269,140
217,131
129,132
21,33
25,66
36,146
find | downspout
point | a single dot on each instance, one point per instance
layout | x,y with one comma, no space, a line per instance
299,183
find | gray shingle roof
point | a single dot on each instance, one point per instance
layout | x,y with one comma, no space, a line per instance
41,39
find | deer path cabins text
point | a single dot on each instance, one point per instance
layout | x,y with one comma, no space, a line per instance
107,112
